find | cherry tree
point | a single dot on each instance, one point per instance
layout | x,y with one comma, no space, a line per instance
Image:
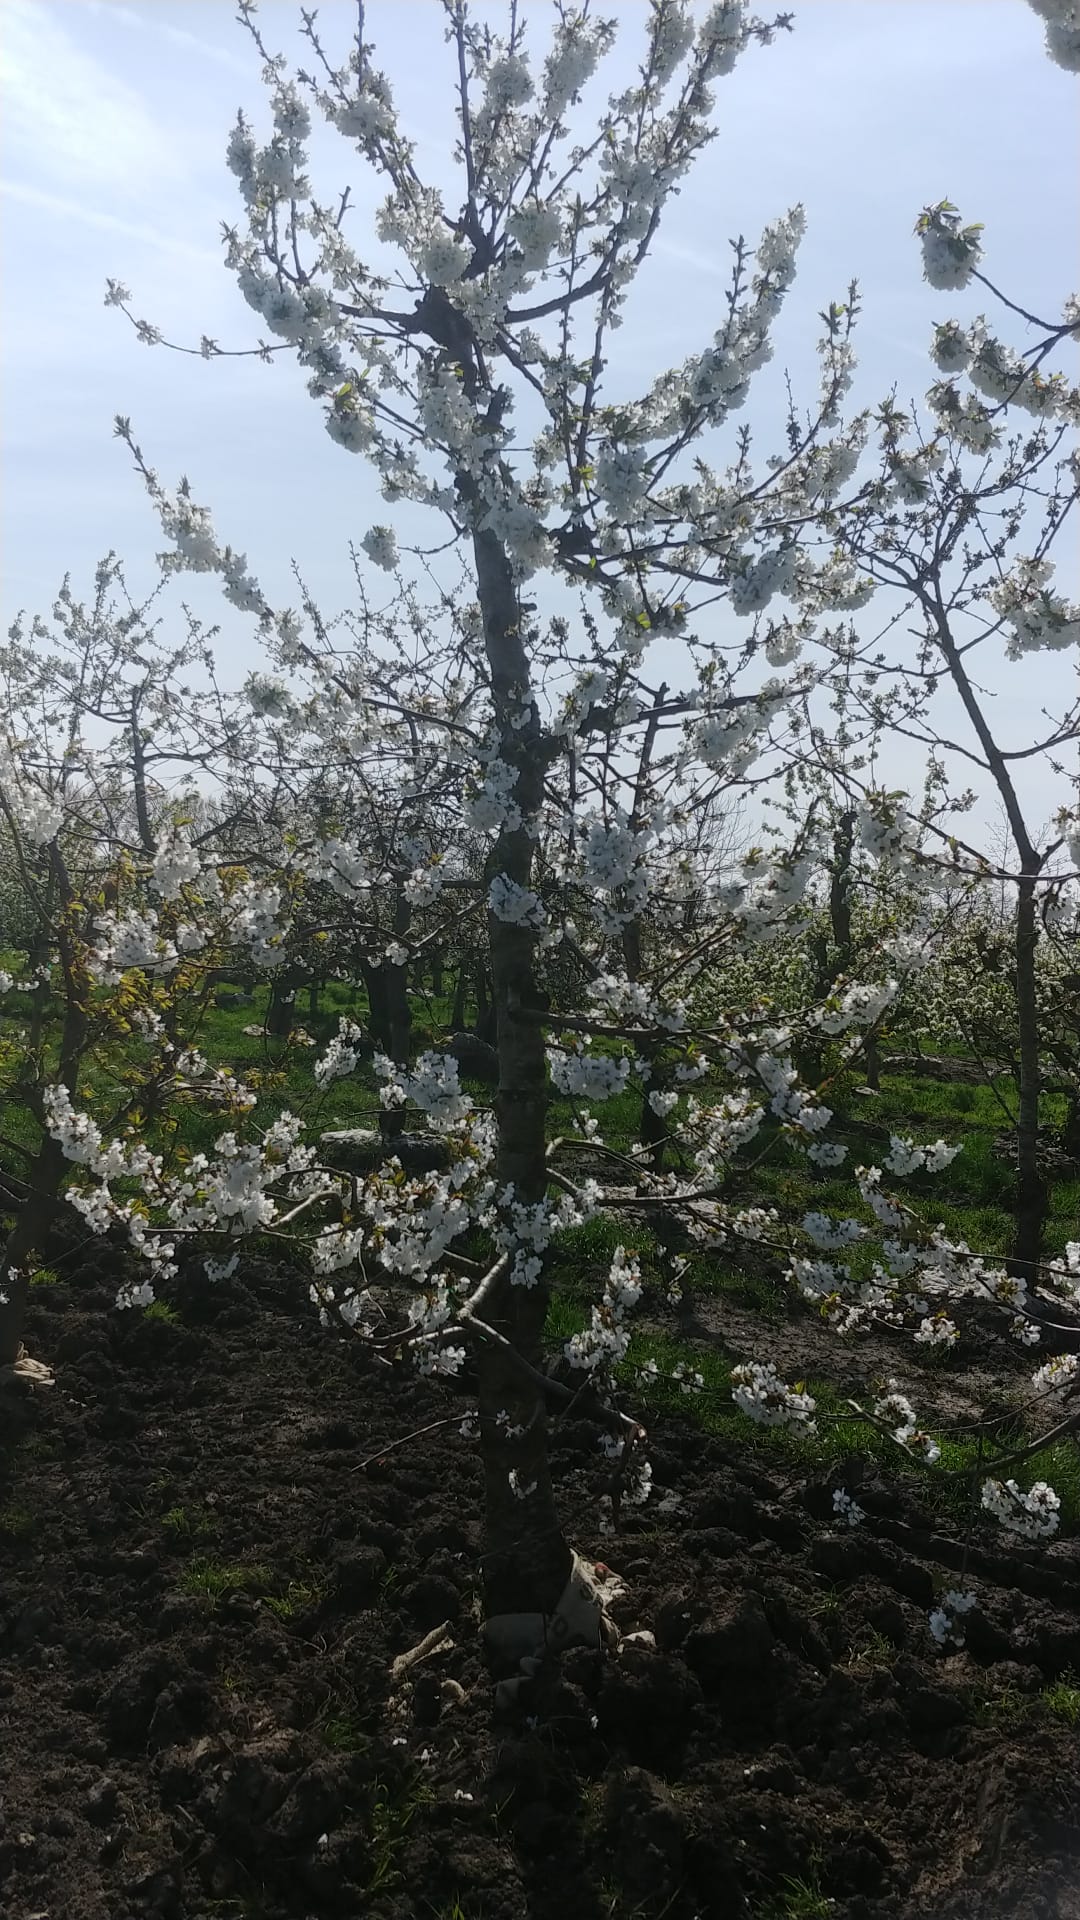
102,748
992,464
513,295
473,375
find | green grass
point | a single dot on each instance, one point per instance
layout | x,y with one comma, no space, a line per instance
281,1077
615,1904
871,1651
799,1898
392,1814
16,1523
205,1578
1062,1700
596,1240
161,1310
183,1524
1007,1708
583,1254
298,1598
971,1199
344,1732
210,1579
827,1603
1002,1708
840,1434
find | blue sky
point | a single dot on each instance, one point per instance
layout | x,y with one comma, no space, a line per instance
115,123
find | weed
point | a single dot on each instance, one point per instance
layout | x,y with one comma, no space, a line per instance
827,1604
344,1732
40,1446
207,1579
800,1898
501,1812
1001,1707
874,1650
237,1906
613,1904
299,1597
1062,1700
16,1523
45,1277
186,1525
161,1310
391,1817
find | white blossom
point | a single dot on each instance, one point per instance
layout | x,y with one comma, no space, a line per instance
950,252
1032,1516
759,1392
518,906
176,864
1061,19
342,1056
947,1620
846,1509
380,545
938,1331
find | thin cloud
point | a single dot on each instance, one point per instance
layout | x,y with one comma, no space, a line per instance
67,116
67,209
148,17
717,265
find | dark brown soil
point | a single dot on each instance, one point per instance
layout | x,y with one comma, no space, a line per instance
209,1558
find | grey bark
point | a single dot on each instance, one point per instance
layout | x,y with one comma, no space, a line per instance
527,1560
390,1015
1032,1197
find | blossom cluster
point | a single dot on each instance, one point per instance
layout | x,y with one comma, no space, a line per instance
342,1056
947,1620
895,1410
604,1342
588,1076
758,1391
1034,1515
1038,618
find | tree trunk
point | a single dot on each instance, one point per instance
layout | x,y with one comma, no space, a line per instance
1031,1197
486,1015
390,1015
461,995
873,1063
34,1219
37,1212
282,1004
527,1561
652,1130
396,988
831,952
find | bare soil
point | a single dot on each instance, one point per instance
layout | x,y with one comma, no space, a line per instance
212,1549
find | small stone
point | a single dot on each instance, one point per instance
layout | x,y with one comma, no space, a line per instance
100,1801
